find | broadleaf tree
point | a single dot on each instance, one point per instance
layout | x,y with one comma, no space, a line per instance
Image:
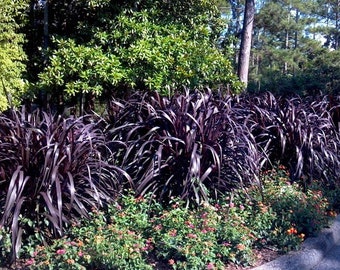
158,46
12,56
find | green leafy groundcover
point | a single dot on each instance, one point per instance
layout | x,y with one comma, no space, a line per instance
139,233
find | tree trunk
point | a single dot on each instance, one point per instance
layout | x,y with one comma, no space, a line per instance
46,34
336,43
246,40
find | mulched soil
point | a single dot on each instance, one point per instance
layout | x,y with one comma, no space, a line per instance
262,256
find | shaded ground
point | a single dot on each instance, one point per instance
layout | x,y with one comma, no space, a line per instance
262,256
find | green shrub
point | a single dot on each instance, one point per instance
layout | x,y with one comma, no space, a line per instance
116,239
298,214
138,233
5,245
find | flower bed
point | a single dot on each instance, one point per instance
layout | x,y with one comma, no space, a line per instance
139,233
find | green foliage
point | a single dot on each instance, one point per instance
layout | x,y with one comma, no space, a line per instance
195,239
325,66
291,50
12,56
298,214
166,57
112,240
149,48
5,245
80,69
309,61
138,233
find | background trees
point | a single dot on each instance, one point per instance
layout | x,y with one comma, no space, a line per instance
246,41
116,48
78,50
292,46
12,56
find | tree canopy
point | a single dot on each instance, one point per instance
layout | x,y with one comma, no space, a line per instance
12,56
73,50
118,48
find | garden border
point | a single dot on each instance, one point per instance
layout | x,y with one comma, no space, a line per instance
312,251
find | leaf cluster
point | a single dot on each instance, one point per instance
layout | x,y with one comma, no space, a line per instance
12,56
146,47
191,145
298,133
52,171
197,145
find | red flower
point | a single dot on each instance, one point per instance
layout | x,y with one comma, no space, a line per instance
192,235
291,231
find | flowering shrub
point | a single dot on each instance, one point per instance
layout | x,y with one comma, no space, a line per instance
139,233
202,238
298,214
62,254
99,245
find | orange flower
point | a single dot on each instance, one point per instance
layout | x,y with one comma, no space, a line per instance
302,236
173,232
263,208
70,261
241,247
139,199
291,231
332,213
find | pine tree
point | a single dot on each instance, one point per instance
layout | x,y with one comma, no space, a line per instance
329,16
281,44
246,41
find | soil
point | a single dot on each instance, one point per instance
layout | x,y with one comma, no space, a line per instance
262,256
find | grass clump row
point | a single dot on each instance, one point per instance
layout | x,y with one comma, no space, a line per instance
203,150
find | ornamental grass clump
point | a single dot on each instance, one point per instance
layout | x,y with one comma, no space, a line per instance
298,133
188,146
52,171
